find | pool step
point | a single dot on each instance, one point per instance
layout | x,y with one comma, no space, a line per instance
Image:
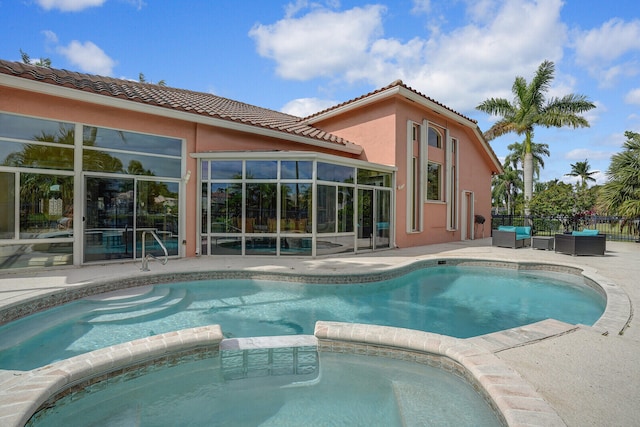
131,303
145,309
410,399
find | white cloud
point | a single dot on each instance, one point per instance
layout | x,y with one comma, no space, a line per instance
50,37
581,154
460,68
603,50
304,107
88,57
69,5
609,42
421,6
633,97
320,43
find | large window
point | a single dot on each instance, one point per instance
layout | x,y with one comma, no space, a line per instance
434,179
276,207
36,192
38,179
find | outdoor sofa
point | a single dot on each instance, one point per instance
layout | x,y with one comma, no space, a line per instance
585,242
511,237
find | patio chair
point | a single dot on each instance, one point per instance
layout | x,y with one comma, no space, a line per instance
511,237
585,242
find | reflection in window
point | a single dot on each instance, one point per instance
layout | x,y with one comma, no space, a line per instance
226,169
266,169
326,209
46,206
335,173
31,129
345,209
435,138
226,208
296,208
7,205
157,210
130,141
292,169
261,208
131,164
373,177
433,181
35,156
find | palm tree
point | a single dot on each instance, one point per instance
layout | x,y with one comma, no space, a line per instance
621,193
516,155
530,108
506,186
581,170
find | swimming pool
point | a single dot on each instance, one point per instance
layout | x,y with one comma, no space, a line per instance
451,300
281,387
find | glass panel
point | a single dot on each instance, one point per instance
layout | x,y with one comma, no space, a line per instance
326,209
262,169
295,212
334,245
27,128
132,164
157,210
365,219
435,139
226,245
130,141
261,208
7,206
296,170
35,156
433,182
226,169
226,208
258,245
295,245
46,206
38,255
345,209
373,177
109,219
383,218
335,173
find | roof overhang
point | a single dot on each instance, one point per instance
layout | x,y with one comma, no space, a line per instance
124,104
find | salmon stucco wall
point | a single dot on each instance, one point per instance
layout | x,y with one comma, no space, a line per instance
381,129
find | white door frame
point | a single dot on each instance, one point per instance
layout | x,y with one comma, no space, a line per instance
467,215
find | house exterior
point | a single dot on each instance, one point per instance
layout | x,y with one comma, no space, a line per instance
96,169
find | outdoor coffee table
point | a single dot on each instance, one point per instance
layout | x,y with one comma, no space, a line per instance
542,242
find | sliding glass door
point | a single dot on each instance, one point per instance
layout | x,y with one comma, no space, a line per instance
108,225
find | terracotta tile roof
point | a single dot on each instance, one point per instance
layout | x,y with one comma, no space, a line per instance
397,83
200,103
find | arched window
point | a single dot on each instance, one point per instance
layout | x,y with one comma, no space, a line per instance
435,138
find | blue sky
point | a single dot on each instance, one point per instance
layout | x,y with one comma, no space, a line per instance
301,56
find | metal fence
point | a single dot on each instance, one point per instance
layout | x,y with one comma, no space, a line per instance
615,228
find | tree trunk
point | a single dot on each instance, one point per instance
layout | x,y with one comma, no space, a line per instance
528,180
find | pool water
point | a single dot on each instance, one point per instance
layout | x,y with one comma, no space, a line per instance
457,301
343,390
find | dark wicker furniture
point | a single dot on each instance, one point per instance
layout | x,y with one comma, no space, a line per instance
581,245
511,237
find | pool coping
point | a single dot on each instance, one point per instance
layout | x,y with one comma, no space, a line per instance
518,402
